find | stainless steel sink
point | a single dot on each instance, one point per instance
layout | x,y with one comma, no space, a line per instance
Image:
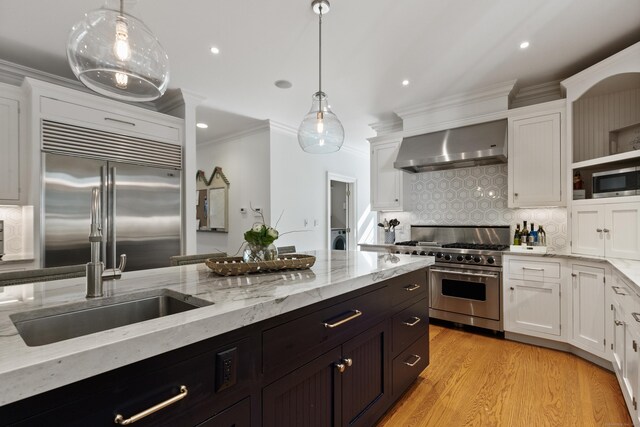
46,326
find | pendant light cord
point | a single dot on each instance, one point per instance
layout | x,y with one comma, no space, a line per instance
320,52
121,7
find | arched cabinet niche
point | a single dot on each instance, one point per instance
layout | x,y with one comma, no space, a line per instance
212,206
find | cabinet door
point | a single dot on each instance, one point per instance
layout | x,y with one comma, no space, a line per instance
306,396
366,386
10,151
535,157
239,415
533,307
386,181
618,336
585,237
588,308
630,371
622,230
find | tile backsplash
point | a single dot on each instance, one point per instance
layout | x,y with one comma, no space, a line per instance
472,196
15,238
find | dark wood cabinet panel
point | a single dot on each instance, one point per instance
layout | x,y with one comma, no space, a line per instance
366,384
408,365
305,397
239,415
287,346
408,287
409,324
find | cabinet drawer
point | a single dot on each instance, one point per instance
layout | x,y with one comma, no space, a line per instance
408,365
292,344
411,286
409,324
107,120
239,415
533,270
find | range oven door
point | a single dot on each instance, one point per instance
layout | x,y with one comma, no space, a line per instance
470,292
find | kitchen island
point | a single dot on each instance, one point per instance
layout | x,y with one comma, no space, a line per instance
268,303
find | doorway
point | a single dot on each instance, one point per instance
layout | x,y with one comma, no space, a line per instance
341,212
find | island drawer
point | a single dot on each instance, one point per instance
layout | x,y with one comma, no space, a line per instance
533,270
409,324
408,364
294,343
411,286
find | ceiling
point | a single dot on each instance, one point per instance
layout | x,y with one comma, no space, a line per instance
369,47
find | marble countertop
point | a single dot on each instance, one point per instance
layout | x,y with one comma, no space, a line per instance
238,301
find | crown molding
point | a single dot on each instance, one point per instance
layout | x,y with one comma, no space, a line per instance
284,128
537,94
264,125
489,93
387,126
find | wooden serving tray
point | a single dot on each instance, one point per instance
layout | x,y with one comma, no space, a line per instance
235,266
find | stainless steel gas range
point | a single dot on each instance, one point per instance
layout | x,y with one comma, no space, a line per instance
466,280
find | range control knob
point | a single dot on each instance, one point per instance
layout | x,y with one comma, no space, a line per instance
398,252
447,257
459,258
431,253
414,253
468,257
423,253
439,255
491,260
477,259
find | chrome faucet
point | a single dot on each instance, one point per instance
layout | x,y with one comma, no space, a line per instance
96,272
95,268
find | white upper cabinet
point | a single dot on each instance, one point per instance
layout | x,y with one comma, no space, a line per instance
536,161
10,158
386,181
611,229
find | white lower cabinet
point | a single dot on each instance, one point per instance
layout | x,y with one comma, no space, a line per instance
588,304
532,297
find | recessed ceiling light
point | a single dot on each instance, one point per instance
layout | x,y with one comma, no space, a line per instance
405,83
202,125
215,50
524,45
283,84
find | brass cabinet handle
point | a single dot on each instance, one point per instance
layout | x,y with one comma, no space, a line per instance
124,422
347,361
533,269
414,362
411,288
636,316
598,230
416,320
356,313
618,322
615,289
574,275
340,367
606,230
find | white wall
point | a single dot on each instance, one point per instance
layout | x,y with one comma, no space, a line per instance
299,191
244,159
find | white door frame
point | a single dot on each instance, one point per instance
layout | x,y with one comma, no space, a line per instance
351,220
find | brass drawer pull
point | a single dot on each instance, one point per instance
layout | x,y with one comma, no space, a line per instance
615,289
533,269
618,322
636,316
109,119
414,362
356,313
411,287
416,320
124,422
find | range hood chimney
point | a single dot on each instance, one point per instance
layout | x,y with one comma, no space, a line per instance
479,144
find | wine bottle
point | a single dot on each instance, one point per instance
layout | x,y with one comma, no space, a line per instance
533,236
542,236
516,236
524,235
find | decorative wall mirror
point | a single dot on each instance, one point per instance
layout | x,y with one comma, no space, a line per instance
212,201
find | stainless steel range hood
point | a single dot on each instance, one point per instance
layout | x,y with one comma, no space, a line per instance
479,144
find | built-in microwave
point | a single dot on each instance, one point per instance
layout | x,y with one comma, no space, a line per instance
615,183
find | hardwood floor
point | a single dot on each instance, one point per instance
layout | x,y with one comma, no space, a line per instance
482,380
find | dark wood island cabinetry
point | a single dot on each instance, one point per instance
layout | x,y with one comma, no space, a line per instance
340,362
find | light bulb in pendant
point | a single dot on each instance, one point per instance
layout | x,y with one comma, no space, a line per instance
321,143
122,80
320,122
121,47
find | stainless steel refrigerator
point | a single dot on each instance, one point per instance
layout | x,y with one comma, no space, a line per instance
140,205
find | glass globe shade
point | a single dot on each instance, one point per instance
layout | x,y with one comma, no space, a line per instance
116,55
320,131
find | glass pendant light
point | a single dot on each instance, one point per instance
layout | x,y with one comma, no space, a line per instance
320,131
116,55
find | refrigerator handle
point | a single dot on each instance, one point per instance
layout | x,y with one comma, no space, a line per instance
104,187
112,217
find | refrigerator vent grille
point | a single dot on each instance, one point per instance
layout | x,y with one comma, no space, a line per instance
63,138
